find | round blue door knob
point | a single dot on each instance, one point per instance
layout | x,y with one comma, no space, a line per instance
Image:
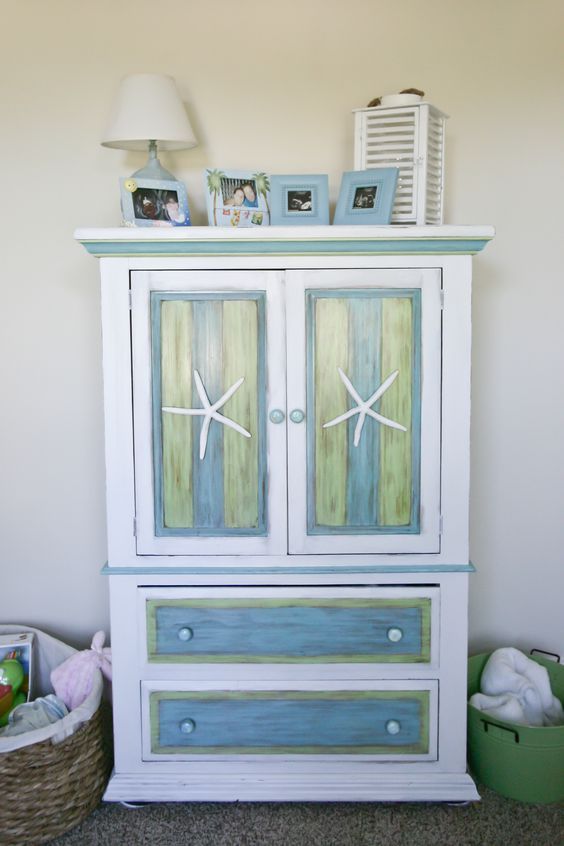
297,415
276,415
187,726
185,633
394,634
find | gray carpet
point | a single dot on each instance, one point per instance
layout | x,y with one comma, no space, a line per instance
494,821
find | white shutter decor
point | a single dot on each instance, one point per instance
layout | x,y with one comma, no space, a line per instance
411,138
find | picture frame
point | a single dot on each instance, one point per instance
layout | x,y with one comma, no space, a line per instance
237,198
299,199
366,196
154,202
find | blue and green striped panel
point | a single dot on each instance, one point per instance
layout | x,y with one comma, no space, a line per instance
290,722
222,337
374,487
299,630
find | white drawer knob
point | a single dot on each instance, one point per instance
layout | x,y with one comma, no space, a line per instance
393,727
185,633
187,726
394,634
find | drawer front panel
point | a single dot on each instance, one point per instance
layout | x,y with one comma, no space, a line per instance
290,722
289,630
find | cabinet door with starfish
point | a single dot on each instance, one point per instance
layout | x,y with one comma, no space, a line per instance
208,368
364,387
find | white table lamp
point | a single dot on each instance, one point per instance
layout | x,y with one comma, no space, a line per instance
147,111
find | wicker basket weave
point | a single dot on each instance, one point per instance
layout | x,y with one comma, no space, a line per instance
49,788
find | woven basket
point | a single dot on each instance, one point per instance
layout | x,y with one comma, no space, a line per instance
47,788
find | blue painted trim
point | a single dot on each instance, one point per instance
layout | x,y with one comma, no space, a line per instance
416,400
364,371
286,570
293,630
413,528
310,408
207,359
322,247
262,477
215,490
349,722
156,392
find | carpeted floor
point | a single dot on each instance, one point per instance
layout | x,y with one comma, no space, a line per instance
494,821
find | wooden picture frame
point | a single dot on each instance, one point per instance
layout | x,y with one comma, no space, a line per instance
367,196
299,200
154,202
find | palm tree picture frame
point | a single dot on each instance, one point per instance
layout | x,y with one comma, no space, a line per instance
237,198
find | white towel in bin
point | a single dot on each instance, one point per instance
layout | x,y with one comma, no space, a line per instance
517,689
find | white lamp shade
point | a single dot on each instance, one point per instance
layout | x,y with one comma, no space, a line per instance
148,107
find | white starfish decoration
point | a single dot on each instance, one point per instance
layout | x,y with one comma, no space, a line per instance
363,407
209,412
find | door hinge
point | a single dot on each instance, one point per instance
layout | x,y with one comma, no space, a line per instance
440,524
134,527
130,299
442,299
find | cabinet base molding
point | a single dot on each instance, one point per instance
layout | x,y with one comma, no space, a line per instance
332,785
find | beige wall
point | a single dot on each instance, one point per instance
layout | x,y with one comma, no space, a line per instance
272,85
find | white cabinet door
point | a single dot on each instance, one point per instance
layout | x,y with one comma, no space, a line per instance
208,371
364,389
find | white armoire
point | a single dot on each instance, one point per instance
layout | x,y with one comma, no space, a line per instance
287,418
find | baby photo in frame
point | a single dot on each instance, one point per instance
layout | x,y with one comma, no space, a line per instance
299,199
367,196
154,202
237,198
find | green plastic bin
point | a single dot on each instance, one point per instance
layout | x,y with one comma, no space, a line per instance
520,762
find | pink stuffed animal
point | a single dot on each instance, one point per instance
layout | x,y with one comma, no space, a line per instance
72,680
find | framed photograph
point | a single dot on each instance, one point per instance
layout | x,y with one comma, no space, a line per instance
237,198
299,200
154,202
367,196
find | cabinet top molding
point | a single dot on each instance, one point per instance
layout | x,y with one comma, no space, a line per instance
286,240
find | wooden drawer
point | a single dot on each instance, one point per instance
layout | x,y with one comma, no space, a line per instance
395,720
388,625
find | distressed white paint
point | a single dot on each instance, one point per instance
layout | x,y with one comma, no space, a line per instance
227,573
294,672
285,683
213,280
375,273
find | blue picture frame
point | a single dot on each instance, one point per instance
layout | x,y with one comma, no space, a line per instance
367,196
299,199
154,202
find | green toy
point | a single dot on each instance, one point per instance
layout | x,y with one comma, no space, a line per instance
13,675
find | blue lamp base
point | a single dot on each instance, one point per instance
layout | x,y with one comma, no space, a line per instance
153,169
